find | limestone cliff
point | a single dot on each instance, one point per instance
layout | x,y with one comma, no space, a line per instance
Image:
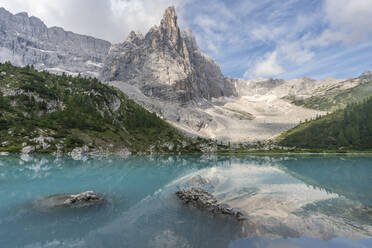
27,40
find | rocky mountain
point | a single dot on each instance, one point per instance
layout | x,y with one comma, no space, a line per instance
301,88
334,94
27,40
165,72
166,64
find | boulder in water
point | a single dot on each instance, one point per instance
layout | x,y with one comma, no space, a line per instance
81,200
202,200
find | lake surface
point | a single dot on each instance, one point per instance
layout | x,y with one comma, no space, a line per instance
289,201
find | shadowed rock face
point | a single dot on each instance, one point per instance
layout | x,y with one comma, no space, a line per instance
166,64
27,40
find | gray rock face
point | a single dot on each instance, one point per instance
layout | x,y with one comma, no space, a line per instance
366,77
27,40
202,200
166,64
279,87
81,200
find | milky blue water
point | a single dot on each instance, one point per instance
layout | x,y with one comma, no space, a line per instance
289,201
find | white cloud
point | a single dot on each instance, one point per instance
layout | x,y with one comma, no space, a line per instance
267,32
212,25
295,52
212,33
348,22
352,18
268,67
345,21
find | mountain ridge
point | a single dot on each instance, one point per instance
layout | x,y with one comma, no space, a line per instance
28,41
166,72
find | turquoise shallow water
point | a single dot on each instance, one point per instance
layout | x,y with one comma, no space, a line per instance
290,201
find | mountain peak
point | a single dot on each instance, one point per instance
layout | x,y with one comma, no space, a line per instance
23,14
169,28
366,77
167,64
367,73
4,11
169,17
135,38
307,79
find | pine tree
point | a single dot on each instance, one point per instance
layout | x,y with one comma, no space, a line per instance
341,139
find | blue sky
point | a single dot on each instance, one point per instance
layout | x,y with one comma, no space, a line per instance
247,38
286,38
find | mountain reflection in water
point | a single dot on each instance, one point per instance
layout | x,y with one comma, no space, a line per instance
289,201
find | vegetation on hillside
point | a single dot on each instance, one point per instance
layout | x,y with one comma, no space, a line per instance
350,128
60,112
336,100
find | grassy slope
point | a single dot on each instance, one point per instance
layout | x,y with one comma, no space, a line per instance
75,111
244,114
334,101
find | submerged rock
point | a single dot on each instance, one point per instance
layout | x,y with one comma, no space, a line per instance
81,200
202,200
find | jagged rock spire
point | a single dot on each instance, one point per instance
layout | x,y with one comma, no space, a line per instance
169,28
169,18
166,64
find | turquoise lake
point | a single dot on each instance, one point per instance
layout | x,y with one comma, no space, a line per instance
289,201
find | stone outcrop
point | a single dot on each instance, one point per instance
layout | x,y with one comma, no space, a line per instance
81,200
28,149
27,40
202,200
366,77
166,64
